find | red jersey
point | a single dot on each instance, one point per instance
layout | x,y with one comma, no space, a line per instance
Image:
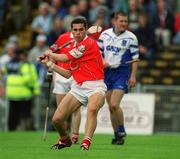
86,61
62,39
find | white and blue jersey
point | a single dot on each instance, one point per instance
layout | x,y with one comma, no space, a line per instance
116,51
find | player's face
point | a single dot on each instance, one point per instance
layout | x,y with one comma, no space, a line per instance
79,32
121,23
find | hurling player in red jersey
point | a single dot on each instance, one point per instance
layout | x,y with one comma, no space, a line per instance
88,87
62,86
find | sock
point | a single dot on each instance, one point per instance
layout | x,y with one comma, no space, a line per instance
75,135
86,141
116,134
121,130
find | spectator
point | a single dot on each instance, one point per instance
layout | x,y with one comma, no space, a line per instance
36,51
177,6
164,23
8,55
57,9
3,11
120,5
104,14
83,8
20,76
93,4
58,28
13,39
146,37
176,38
42,23
172,5
4,5
98,10
134,11
149,7
73,12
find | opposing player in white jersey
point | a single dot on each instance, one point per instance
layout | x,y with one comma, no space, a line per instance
120,52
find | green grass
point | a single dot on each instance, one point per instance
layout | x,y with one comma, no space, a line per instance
29,145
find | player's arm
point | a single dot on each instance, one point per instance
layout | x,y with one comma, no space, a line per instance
132,79
54,57
134,66
53,67
60,70
75,53
101,47
58,57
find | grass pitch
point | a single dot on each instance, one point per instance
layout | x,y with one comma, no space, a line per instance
29,145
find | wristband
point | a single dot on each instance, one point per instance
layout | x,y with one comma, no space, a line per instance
50,65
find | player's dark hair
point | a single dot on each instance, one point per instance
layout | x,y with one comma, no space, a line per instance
79,20
119,13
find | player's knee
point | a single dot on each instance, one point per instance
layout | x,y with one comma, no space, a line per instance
93,111
56,119
113,107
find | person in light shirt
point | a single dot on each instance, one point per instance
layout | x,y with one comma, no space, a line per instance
118,46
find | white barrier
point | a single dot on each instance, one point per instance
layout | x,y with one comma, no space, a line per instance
138,113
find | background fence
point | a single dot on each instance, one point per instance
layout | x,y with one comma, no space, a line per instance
167,107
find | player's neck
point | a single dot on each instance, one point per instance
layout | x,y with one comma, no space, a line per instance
79,41
117,32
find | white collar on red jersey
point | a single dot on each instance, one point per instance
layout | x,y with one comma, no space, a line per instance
75,43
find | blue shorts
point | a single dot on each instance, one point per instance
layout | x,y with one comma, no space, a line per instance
117,78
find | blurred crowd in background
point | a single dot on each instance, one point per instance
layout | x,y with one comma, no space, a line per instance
155,22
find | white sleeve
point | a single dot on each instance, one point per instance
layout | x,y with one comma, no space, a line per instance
101,42
134,48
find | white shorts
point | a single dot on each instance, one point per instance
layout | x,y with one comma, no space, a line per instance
62,85
88,88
